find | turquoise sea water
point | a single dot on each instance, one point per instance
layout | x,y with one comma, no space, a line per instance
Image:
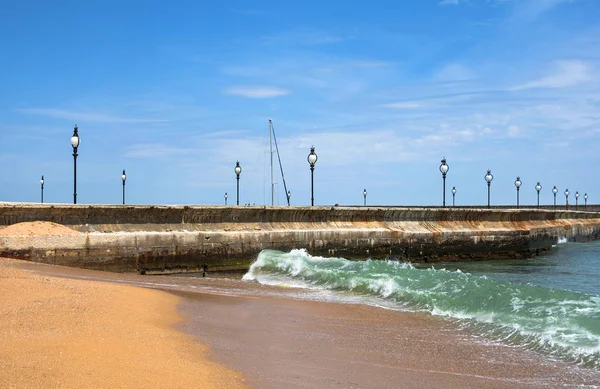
550,303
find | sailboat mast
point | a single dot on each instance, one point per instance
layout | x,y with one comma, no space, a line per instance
271,146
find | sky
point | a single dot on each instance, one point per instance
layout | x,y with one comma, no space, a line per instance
176,92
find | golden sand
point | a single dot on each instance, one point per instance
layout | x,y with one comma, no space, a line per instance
37,228
65,333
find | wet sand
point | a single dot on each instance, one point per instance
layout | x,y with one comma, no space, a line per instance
279,341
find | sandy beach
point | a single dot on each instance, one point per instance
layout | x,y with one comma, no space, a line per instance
272,339
66,333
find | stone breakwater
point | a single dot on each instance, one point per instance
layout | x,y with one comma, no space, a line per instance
168,239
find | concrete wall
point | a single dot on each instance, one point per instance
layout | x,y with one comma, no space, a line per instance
181,238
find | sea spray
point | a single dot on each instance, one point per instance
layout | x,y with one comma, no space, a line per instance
563,323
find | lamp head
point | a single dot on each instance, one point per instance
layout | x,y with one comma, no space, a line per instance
518,182
538,187
312,157
444,166
75,138
488,177
453,190
238,168
123,176
554,190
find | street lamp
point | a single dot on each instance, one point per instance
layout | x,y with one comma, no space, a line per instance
576,200
289,195
538,188
453,194
238,170
42,182
518,184
555,191
123,178
585,197
567,198
225,198
75,143
444,169
365,196
488,178
312,159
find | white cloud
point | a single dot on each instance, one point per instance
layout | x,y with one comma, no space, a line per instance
404,105
566,74
436,101
369,64
303,37
155,150
91,117
454,72
531,9
449,2
513,131
256,92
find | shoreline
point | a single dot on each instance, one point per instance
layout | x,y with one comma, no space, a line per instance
276,341
69,333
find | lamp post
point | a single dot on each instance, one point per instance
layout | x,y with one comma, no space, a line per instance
123,178
488,178
538,188
42,182
555,191
453,194
444,169
75,143
238,170
518,184
312,159
225,198
289,195
567,198
576,200
585,197
365,196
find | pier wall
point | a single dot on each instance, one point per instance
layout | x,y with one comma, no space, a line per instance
167,239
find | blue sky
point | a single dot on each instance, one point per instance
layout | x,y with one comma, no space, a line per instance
175,92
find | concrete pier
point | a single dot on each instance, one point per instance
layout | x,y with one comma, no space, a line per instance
167,239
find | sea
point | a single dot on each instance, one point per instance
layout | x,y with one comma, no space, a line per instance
550,303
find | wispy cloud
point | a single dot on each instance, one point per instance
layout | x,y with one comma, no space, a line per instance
256,92
248,11
454,72
79,116
437,102
155,150
531,9
513,131
404,105
329,76
566,74
522,9
301,37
